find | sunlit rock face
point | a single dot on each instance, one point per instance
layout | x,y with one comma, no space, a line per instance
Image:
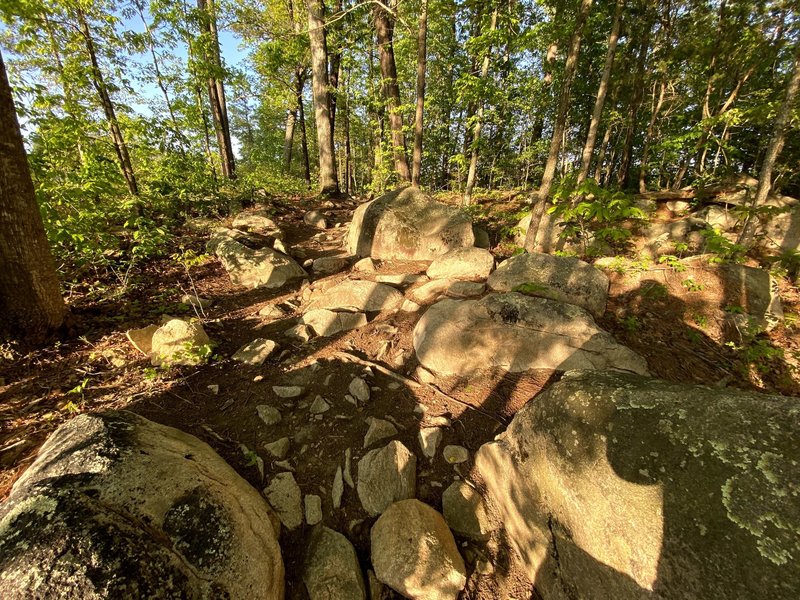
116,506
613,485
407,224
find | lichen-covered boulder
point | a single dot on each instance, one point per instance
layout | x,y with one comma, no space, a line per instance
562,278
116,506
407,224
611,485
515,333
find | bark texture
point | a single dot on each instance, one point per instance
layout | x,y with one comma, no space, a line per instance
31,306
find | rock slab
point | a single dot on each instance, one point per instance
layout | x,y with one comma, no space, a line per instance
516,333
357,296
469,264
414,553
561,278
331,570
650,489
116,506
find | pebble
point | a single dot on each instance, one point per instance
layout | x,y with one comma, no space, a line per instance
378,430
319,406
269,414
348,468
429,440
455,454
313,509
284,496
338,488
288,391
214,388
359,389
279,448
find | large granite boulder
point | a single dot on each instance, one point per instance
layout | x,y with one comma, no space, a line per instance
753,290
116,506
470,264
561,278
254,268
407,224
612,485
516,333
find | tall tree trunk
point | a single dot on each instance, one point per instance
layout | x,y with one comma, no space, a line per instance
31,307
348,150
328,180
602,90
288,137
300,82
216,90
598,168
648,138
384,28
559,126
108,108
623,174
773,149
333,75
422,60
472,173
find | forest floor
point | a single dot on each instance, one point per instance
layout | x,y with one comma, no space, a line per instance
677,330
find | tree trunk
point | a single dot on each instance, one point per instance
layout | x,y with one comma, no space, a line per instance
559,126
288,138
648,138
384,28
108,108
31,307
602,90
773,149
422,59
300,82
333,76
328,180
472,173
216,91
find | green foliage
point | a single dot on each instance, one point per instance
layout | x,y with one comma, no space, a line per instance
691,285
724,250
673,262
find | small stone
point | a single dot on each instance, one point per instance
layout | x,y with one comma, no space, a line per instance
359,389
319,406
331,570
284,496
429,440
410,306
313,509
142,339
256,352
365,265
279,448
438,422
288,391
213,388
397,541
455,454
386,475
351,400
280,247
258,378
404,279
465,511
327,265
348,468
269,414
271,312
378,430
301,332
284,464
420,409
338,488
307,264
315,219
196,301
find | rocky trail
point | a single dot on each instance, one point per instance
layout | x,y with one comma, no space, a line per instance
354,367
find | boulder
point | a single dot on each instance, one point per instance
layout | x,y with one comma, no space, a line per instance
465,511
561,278
179,342
116,506
251,268
327,322
331,570
407,224
386,475
379,429
470,264
257,220
660,238
548,236
414,553
678,206
142,339
611,485
327,265
357,296
718,217
481,237
782,230
516,333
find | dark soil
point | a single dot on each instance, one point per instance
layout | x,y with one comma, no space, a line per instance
679,331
